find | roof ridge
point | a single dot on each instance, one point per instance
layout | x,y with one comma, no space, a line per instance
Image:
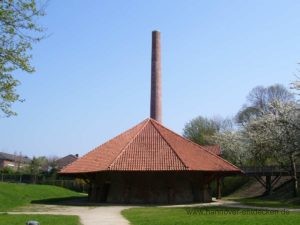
214,155
111,139
146,121
151,120
108,141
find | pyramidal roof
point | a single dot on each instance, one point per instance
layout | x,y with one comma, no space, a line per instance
149,146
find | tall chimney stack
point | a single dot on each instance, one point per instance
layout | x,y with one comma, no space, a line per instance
156,94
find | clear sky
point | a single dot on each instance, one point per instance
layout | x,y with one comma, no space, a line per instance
93,71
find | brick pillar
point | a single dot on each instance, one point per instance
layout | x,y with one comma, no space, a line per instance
156,93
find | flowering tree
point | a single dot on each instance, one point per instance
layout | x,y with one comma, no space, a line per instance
275,135
259,101
234,146
268,131
296,84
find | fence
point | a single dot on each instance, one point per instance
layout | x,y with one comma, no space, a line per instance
73,184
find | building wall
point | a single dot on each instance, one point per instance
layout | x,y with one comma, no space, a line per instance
5,163
14,165
150,187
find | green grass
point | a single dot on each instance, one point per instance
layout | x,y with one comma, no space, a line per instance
208,216
16,195
6,219
269,202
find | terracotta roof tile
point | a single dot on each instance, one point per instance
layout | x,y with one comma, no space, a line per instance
62,162
216,149
149,146
194,156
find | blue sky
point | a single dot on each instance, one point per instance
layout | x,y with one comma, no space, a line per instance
93,71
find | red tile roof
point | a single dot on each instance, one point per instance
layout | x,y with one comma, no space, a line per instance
149,146
62,162
216,149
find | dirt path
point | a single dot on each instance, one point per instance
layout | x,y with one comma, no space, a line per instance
104,215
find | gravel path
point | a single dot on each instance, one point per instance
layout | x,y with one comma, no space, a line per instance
104,215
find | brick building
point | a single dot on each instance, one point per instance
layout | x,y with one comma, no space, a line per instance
150,163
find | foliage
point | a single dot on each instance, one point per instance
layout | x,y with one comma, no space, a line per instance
268,131
16,195
6,219
234,146
19,30
259,102
36,167
7,170
201,130
207,216
296,84
270,126
229,184
276,133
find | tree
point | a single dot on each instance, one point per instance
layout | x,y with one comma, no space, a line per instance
37,166
270,123
18,31
234,146
296,85
259,101
276,134
34,168
201,130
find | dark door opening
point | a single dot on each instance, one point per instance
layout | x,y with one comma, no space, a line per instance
105,191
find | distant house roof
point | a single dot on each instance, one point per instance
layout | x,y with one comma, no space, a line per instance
13,158
62,162
149,146
216,149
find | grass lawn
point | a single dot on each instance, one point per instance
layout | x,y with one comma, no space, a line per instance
269,202
15,195
208,216
6,219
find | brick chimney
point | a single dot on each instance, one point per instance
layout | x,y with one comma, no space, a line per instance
156,94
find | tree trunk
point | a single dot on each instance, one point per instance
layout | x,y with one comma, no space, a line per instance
294,176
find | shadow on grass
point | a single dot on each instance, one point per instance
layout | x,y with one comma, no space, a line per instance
67,201
84,201
81,201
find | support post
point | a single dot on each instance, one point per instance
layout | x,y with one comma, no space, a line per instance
219,188
268,185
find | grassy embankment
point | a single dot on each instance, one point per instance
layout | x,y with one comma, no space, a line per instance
16,195
13,196
251,194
